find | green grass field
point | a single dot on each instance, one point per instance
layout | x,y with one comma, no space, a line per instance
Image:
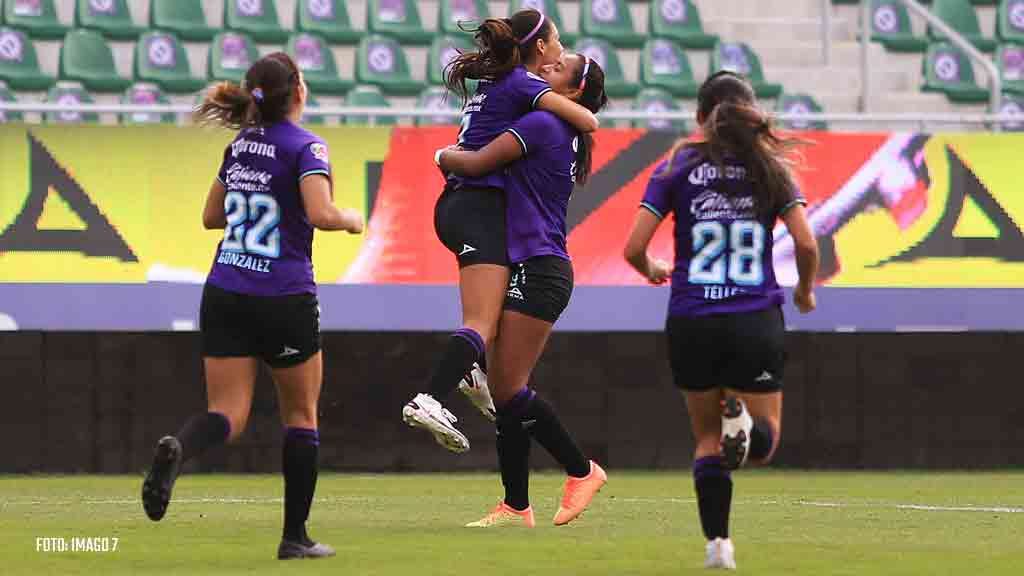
791,523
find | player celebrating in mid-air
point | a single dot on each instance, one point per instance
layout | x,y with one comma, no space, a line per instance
470,214
725,327
259,302
554,157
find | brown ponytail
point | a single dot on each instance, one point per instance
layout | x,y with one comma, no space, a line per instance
265,96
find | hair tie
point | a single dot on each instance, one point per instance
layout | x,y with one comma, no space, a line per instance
257,94
534,31
586,70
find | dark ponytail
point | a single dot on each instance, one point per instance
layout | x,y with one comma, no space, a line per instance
265,96
592,97
502,44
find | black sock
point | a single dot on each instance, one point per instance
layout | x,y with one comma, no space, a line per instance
202,432
464,347
514,456
761,439
301,449
543,424
714,496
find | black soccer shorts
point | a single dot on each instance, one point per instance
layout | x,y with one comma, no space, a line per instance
540,287
283,331
470,222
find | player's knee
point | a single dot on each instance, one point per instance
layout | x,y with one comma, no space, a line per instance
707,445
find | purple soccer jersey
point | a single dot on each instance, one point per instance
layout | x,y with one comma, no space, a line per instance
723,242
538,186
268,241
494,107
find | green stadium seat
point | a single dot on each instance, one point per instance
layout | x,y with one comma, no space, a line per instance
257,18
740,58
451,12
890,26
312,119
381,62
437,98
1010,60
960,15
442,50
161,58
664,65
367,96
679,20
609,20
399,19
1013,105
111,17
19,64
328,18
548,8
657,100
230,56
315,59
947,70
69,93
86,57
615,83
7,96
799,104
37,17
185,18
145,94
1010,21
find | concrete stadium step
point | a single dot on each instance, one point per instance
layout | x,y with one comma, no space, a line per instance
717,9
779,30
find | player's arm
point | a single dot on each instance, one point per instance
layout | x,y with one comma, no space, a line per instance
318,202
644,225
584,120
501,151
214,217
794,217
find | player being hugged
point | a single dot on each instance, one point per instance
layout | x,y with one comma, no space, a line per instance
469,216
546,158
725,327
259,303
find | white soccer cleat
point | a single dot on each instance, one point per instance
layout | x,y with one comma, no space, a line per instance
736,426
719,554
474,386
425,412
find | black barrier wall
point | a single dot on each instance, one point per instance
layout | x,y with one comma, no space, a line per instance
87,402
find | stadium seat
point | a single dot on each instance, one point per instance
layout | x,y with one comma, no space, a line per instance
37,17
609,20
890,26
19,64
740,58
469,12
367,96
86,57
1010,60
257,18
230,56
399,19
657,100
7,96
111,17
679,20
1010,21
960,15
69,93
328,18
548,8
799,104
437,98
442,50
381,62
312,119
947,70
315,59
144,94
603,53
185,18
664,65
1013,105
161,58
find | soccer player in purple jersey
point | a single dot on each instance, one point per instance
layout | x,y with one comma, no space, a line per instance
546,158
259,302
470,214
725,327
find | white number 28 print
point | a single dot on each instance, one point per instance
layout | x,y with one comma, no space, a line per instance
732,252
252,225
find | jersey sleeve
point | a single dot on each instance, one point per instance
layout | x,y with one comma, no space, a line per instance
531,87
314,159
658,196
533,131
795,197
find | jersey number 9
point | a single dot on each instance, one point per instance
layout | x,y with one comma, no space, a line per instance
734,252
252,225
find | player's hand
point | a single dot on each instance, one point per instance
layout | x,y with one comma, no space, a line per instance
354,221
658,271
804,300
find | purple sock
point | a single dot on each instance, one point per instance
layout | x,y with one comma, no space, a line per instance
464,347
300,455
714,496
202,432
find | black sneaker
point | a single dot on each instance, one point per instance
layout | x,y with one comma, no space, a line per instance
156,489
289,550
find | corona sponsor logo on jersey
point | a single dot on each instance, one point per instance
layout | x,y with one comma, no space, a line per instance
243,146
708,172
